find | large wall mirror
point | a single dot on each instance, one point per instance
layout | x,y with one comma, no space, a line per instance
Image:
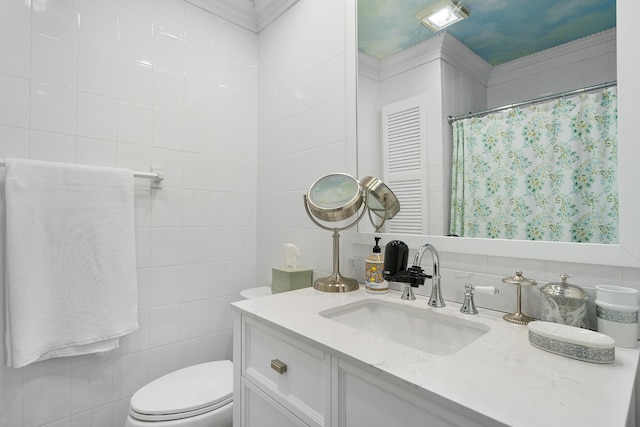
467,68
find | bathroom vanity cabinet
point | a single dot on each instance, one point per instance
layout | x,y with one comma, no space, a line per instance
305,395
294,367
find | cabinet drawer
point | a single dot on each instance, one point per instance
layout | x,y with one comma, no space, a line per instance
303,388
260,410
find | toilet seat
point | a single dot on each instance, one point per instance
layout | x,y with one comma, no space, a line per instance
188,392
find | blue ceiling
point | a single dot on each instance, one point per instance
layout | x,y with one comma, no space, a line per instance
497,30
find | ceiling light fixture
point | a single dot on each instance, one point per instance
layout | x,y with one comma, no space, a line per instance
442,14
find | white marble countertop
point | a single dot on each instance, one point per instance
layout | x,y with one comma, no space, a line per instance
500,375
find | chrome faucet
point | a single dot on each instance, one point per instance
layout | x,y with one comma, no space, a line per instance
435,300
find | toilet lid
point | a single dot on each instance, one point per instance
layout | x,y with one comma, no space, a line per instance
256,292
185,393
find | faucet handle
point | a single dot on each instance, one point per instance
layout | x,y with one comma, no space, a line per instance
469,306
491,290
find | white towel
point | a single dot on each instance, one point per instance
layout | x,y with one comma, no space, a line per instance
71,285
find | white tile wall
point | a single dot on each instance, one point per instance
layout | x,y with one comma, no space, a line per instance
134,84
302,129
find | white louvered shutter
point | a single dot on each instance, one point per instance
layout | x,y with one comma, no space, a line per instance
404,162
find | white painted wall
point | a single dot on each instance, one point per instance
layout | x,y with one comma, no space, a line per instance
586,62
423,79
135,84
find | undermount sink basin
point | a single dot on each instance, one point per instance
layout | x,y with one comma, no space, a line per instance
420,328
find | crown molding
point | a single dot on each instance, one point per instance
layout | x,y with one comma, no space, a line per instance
267,11
420,54
239,12
254,15
446,47
442,46
464,59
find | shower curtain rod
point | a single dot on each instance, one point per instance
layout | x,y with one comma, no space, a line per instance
452,119
156,175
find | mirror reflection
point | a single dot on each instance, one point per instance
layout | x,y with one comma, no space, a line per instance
412,77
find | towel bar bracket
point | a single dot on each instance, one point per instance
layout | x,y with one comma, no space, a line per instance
156,183
156,176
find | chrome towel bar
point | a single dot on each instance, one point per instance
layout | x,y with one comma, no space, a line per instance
156,175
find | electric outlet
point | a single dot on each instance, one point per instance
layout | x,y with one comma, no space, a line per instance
356,268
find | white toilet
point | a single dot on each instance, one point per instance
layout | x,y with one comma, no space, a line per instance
196,396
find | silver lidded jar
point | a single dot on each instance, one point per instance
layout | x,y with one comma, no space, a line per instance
565,303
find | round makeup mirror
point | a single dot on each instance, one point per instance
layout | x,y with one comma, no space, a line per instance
334,198
337,198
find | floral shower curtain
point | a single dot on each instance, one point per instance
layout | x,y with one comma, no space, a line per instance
545,172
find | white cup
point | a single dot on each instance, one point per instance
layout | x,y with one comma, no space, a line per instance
617,313
617,295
